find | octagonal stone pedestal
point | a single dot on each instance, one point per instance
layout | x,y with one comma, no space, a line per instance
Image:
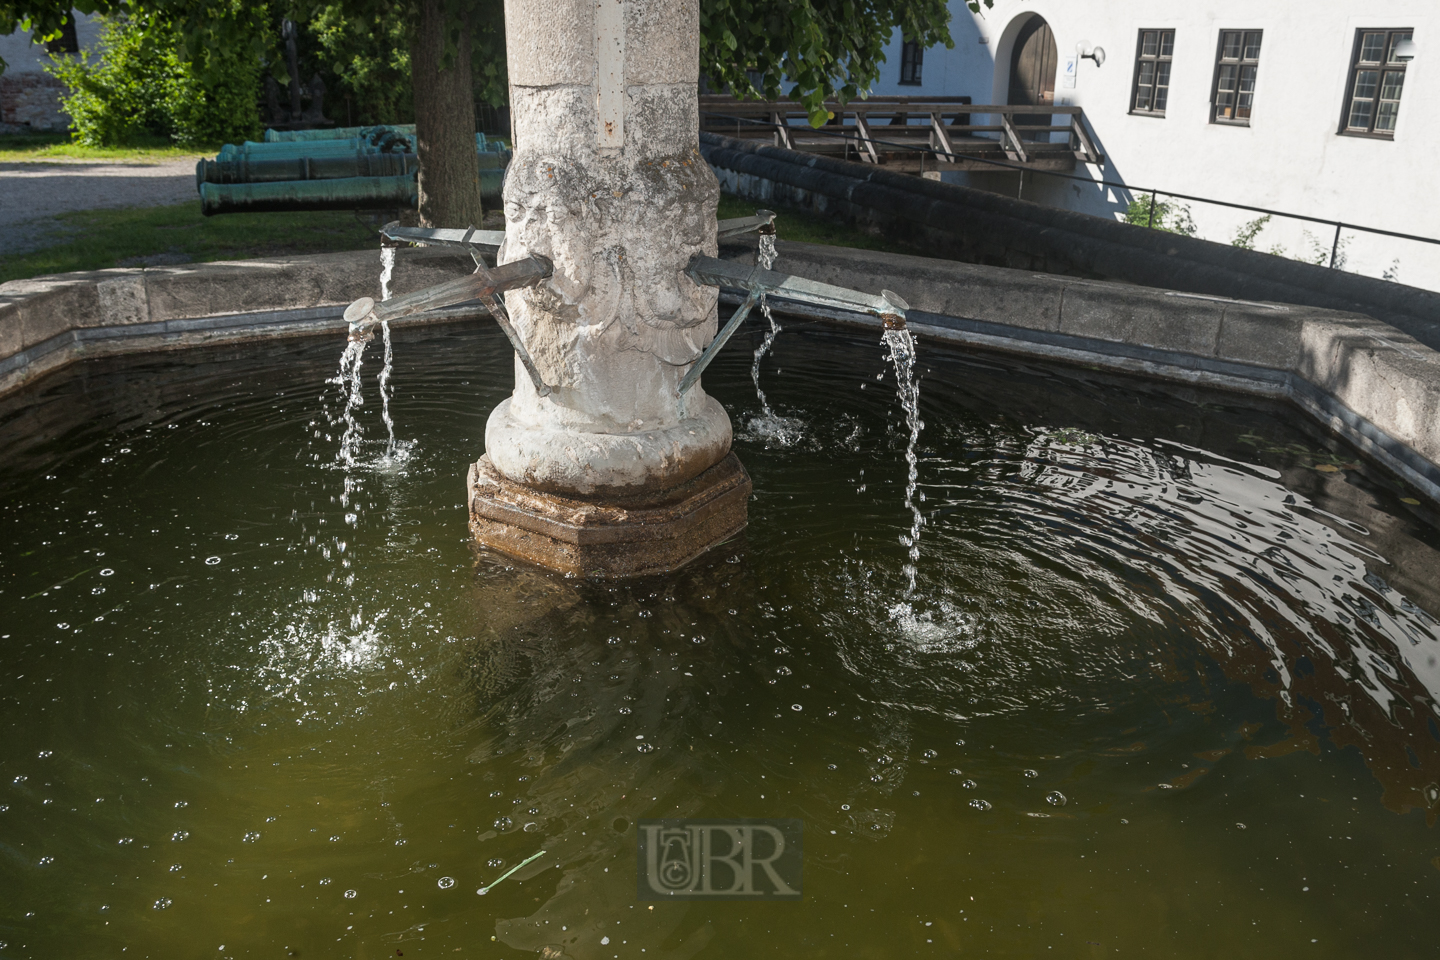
619,537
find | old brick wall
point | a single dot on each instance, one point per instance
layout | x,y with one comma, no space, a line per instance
30,101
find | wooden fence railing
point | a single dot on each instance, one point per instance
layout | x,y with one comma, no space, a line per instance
903,131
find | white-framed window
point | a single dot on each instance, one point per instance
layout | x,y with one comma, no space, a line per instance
1377,78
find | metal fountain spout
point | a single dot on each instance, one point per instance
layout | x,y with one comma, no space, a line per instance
485,285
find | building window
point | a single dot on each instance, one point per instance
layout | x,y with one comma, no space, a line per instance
67,42
1152,72
1376,79
1235,68
912,58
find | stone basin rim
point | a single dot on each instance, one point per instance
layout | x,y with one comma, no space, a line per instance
1373,385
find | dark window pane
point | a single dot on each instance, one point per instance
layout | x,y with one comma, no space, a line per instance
1372,45
1394,80
1386,119
1142,98
1231,47
1252,46
1167,43
1162,87
1359,115
1365,84
1149,43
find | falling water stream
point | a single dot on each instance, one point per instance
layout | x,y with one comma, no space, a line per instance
777,430
901,344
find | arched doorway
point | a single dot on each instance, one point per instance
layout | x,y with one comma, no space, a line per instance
1032,73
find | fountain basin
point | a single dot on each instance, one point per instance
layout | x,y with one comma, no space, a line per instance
264,723
1367,381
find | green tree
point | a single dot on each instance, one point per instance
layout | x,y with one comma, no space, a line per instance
1168,215
139,86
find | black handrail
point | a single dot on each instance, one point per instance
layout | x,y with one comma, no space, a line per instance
1338,225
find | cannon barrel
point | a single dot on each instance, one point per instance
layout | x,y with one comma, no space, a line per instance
338,133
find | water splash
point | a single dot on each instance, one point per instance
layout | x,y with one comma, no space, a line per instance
902,356
387,270
386,391
783,431
348,380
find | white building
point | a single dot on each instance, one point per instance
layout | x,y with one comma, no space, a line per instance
30,97
1300,106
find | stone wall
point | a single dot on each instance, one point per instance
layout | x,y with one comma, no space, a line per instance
31,101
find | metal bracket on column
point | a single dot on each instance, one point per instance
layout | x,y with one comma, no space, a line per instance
720,340
888,306
492,298
484,284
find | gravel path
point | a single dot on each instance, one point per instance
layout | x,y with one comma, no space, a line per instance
33,192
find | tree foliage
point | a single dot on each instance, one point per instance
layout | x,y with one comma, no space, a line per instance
137,86
821,49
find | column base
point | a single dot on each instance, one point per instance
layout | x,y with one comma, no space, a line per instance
631,537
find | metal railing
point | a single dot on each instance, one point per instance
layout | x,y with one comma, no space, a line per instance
1130,188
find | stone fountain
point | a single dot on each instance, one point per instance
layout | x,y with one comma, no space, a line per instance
607,460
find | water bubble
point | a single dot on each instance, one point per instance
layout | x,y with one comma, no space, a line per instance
831,766
959,743
181,804
179,835
1031,774
495,862
46,861
979,804
844,806
1240,826
334,839
445,883
124,840
324,881
45,753
954,771
482,891
968,784
175,868
1055,798
107,572
930,754
211,561
796,706
4,807
531,827
646,747
401,842
21,779
351,894
163,903
250,837
503,824
625,711
884,759
232,536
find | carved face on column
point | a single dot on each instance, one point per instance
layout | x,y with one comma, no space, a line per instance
619,245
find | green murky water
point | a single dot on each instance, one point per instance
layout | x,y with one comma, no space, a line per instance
1167,686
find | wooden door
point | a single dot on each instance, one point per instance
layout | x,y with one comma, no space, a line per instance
1032,73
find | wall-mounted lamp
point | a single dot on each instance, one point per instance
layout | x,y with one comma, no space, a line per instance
1404,51
1085,51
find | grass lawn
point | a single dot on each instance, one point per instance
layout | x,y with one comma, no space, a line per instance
103,238
99,239
19,147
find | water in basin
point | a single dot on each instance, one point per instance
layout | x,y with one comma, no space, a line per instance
1165,685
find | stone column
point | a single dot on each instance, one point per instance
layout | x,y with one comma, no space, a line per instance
608,183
